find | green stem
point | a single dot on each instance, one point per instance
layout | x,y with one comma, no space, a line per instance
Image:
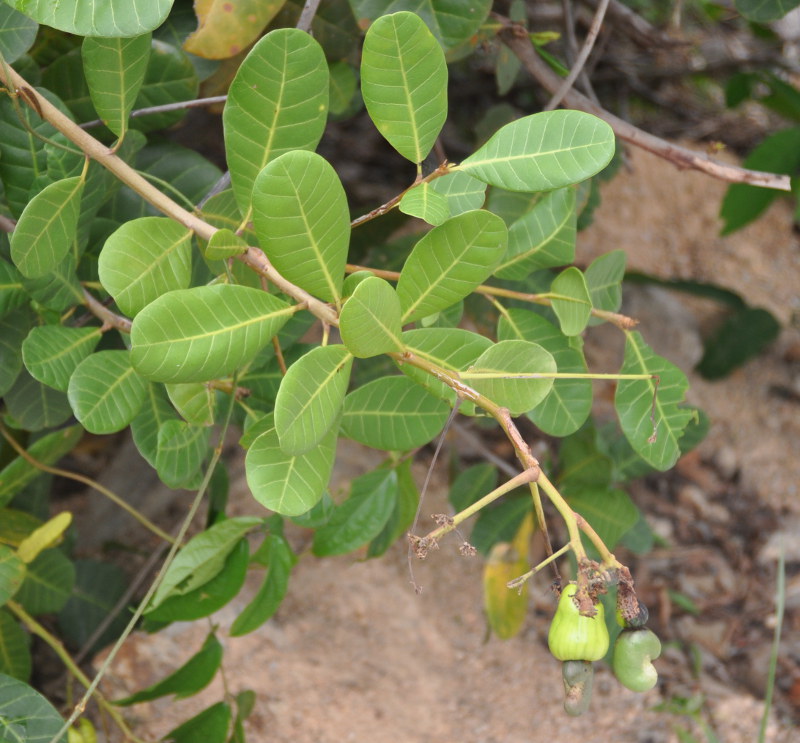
569,516
517,582
58,648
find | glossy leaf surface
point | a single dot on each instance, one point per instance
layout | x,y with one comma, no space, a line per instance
404,83
370,319
52,352
543,151
426,203
463,192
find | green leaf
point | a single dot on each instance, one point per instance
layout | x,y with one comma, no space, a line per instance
98,587
195,401
404,83
543,151
181,449
225,243
156,410
425,202
47,450
14,327
189,679
202,558
743,335
393,413
143,259
777,153
463,192
52,352
25,715
105,392
403,513
16,525
211,596
97,17
582,464
47,227
453,349
571,300
277,102
285,483
12,291
634,404
193,335
211,726
762,11
370,319
115,70
451,22
361,517
604,280
269,596
169,78
499,523
302,221
35,406
17,33
610,512
48,583
310,397
471,484
58,290
542,238
12,573
449,262
505,373
569,402
342,88
15,654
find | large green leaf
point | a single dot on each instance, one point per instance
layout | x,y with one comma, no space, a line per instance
144,259
451,21
424,202
115,70
463,192
302,221
569,402
52,352
195,401
48,583
610,512
453,349
506,374
36,406
193,335
277,102
97,17
285,483
471,484
310,397
403,513
59,289
48,450
572,302
47,227
15,654
265,603
105,392
12,573
542,238
180,451
211,726
449,262
17,33
25,715
155,411
361,517
762,11
404,83
14,327
393,413
543,151
370,319
202,558
12,291
635,404
190,678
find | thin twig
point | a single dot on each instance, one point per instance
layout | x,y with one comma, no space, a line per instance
517,39
110,319
164,108
635,27
6,224
307,16
586,50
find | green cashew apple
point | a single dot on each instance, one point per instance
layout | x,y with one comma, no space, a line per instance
634,652
634,622
575,637
578,678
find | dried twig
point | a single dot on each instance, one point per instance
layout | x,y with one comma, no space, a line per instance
636,27
307,16
517,39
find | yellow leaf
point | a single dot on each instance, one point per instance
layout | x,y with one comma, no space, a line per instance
505,608
47,535
226,27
